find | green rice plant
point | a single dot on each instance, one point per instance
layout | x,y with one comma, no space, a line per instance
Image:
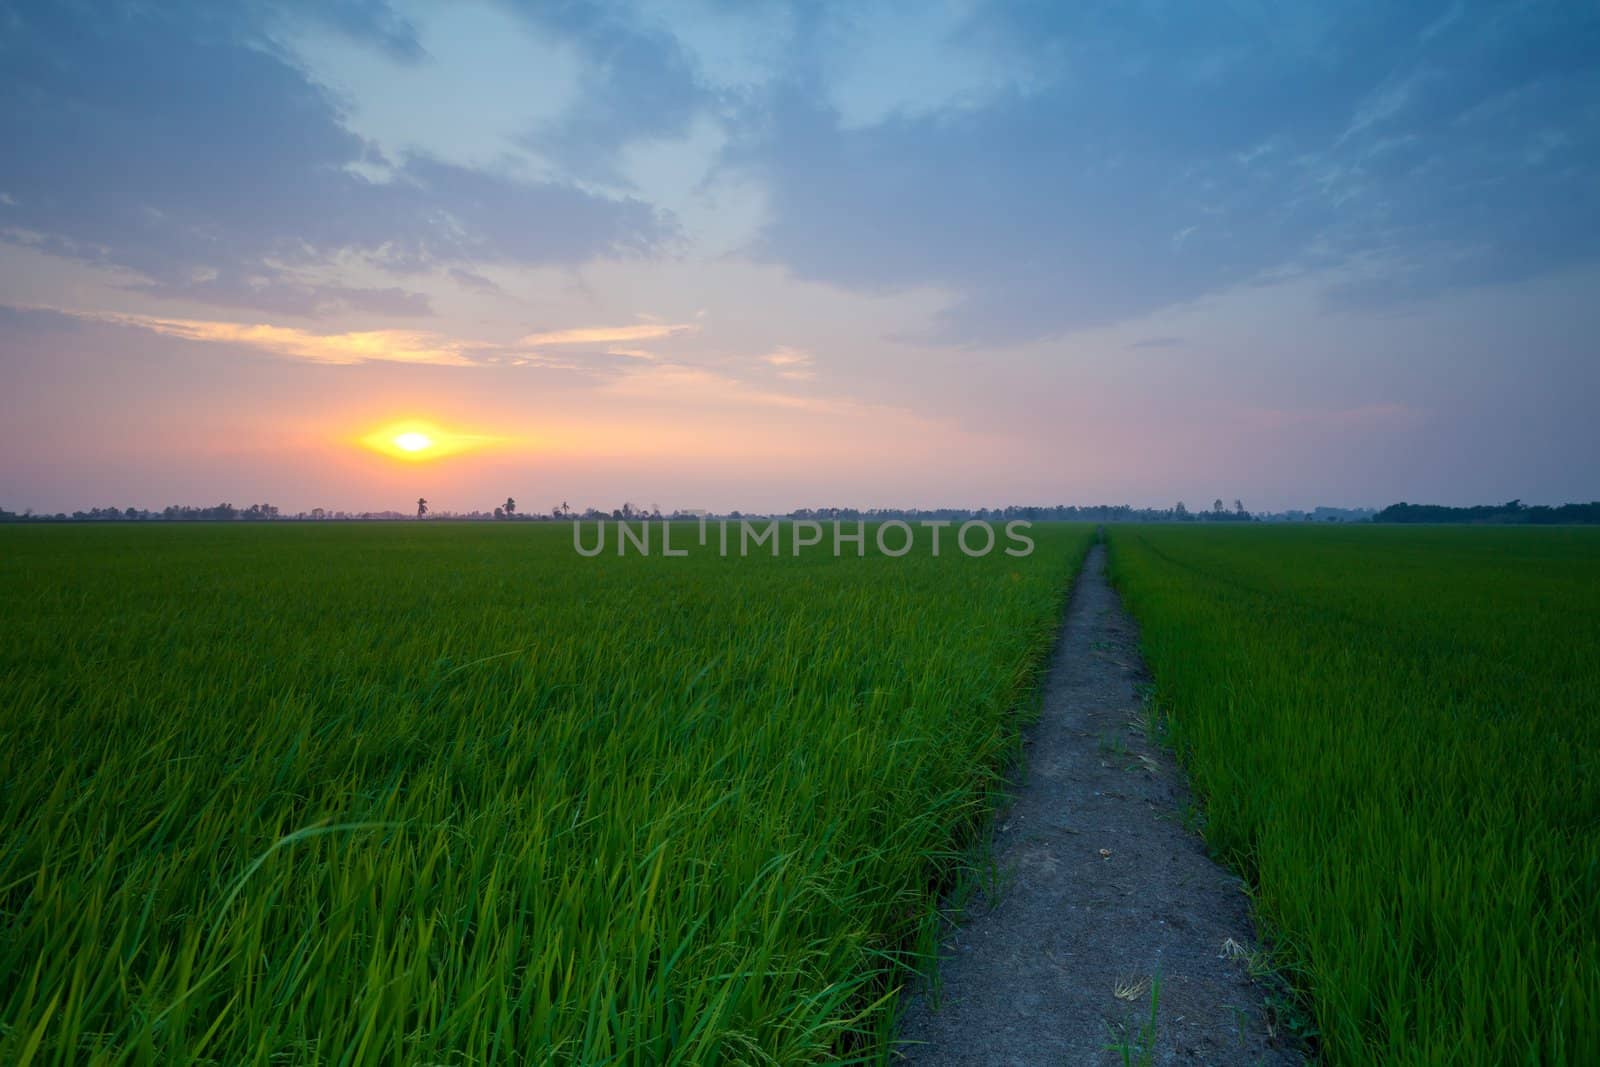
1396,738
453,794
1137,1047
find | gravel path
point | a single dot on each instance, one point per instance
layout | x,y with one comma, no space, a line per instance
1102,891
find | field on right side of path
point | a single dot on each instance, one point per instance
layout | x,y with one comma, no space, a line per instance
1394,734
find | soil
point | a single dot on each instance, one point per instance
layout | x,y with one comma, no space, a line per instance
1103,893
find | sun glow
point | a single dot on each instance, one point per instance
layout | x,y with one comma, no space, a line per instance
418,441
413,441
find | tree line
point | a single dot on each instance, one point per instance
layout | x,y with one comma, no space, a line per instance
509,511
1513,512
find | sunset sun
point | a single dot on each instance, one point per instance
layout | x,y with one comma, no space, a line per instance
413,441
420,440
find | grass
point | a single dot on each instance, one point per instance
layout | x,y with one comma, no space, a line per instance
1395,736
443,794
1136,1047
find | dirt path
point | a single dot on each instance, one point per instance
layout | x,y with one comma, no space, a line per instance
1102,889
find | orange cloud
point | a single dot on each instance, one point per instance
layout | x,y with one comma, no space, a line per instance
364,346
784,356
396,346
791,363
599,335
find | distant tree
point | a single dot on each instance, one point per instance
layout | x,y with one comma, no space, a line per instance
1238,509
1512,511
422,506
1216,508
499,513
511,508
1180,512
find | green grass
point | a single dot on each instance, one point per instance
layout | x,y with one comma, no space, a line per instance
1395,733
427,793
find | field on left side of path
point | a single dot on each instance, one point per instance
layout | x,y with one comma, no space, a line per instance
453,794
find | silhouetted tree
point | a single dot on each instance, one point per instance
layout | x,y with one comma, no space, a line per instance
511,508
422,507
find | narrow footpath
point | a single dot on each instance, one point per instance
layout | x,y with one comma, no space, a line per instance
1105,898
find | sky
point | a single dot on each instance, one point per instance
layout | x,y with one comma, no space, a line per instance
762,255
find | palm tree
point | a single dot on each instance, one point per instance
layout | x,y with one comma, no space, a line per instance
511,507
422,507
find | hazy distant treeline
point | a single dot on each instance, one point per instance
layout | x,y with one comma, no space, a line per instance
628,512
1511,512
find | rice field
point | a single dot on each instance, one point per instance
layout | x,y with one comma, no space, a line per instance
1395,734
452,794
432,793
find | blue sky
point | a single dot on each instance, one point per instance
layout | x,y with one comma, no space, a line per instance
706,254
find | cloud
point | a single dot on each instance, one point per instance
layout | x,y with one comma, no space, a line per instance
279,294
784,356
180,144
887,61
399,346
599,335
637,82
363,346
473,282
1461,152
791,363
1038,175
369,21
681,384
